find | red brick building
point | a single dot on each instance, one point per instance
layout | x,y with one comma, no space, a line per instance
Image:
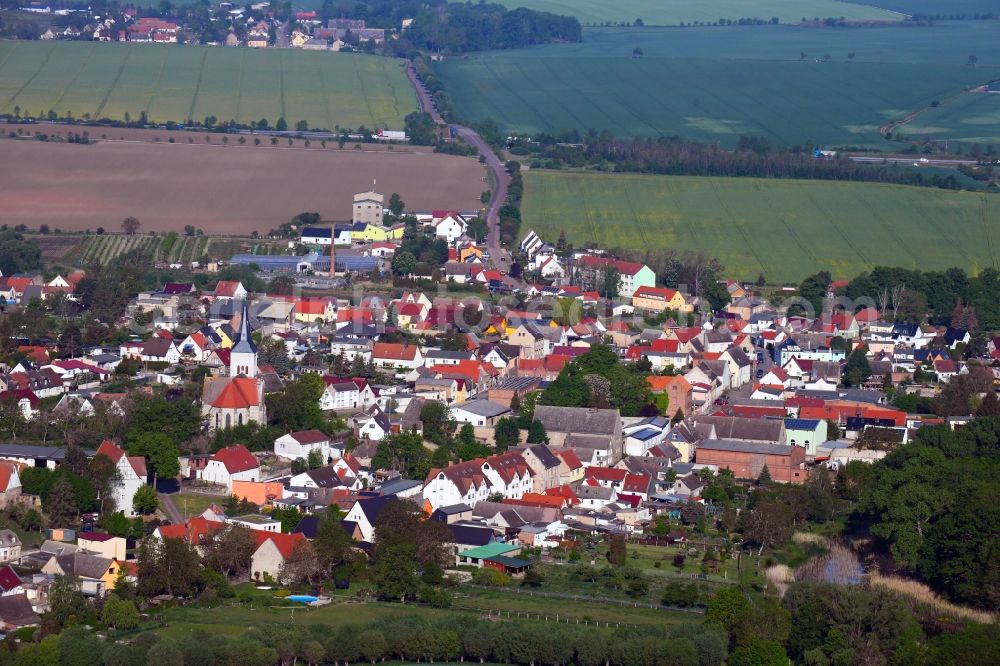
785,463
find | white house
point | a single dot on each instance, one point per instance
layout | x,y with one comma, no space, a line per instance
375,426
474,481
131,475
294,445
340,395
479,413
451,227
233,463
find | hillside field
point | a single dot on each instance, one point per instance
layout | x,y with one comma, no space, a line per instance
715,86
675,12
181,83
968,118
785,229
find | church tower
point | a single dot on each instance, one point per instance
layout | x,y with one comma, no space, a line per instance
243,356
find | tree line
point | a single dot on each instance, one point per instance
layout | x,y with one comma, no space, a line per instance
752,157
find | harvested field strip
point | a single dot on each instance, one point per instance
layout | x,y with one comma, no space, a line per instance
784,229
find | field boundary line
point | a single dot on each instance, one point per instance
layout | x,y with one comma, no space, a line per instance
114,83
985,217
281,81
10,51
27,83
635,216
593,103
516,95
197,87
364,91
326,93
554,98
239,83
83,66
898,238
833,223
159,79
806,250
733,220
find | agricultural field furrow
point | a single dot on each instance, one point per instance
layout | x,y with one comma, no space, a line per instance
783,228
789,85
178,83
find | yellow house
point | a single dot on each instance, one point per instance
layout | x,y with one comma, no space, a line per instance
298,39
395,232
368,232
99,543
310,310
659,299
226,341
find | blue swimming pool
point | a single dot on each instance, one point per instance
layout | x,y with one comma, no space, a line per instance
302,598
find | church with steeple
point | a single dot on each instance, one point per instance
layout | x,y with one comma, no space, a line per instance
238,399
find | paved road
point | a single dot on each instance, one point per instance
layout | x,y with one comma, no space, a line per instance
170,509
501,179
942,162
499,257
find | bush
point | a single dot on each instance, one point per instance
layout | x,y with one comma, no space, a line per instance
490,578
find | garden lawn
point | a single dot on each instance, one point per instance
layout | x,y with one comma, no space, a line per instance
784,229
183,83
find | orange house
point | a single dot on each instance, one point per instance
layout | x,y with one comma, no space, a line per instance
258,492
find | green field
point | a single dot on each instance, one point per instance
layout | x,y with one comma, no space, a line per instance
675,12
785,229
937,8
969,118
181,83
680,86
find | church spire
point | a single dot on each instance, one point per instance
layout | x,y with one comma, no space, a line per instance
243,355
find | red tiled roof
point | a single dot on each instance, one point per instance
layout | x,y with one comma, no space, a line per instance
655,293
9,579
239,393
236,458
6,474
193,531
395,351
285,542
605,474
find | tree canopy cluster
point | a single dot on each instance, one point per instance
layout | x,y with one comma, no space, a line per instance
934,504
580,384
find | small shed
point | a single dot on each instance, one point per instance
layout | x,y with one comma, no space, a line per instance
513,566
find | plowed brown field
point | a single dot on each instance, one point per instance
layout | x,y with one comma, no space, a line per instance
229,189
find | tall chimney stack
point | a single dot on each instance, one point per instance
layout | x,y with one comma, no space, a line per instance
333,252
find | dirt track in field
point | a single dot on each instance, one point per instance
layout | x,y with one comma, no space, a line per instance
223,189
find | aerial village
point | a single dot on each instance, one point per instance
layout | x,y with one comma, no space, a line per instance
537,409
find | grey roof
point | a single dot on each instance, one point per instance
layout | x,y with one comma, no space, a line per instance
545,456
735,427
517,383
15,610
741,446
484,408
84,565
578,441
324,477
595,492
9,538
453,509
579,420
396,486
32,451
